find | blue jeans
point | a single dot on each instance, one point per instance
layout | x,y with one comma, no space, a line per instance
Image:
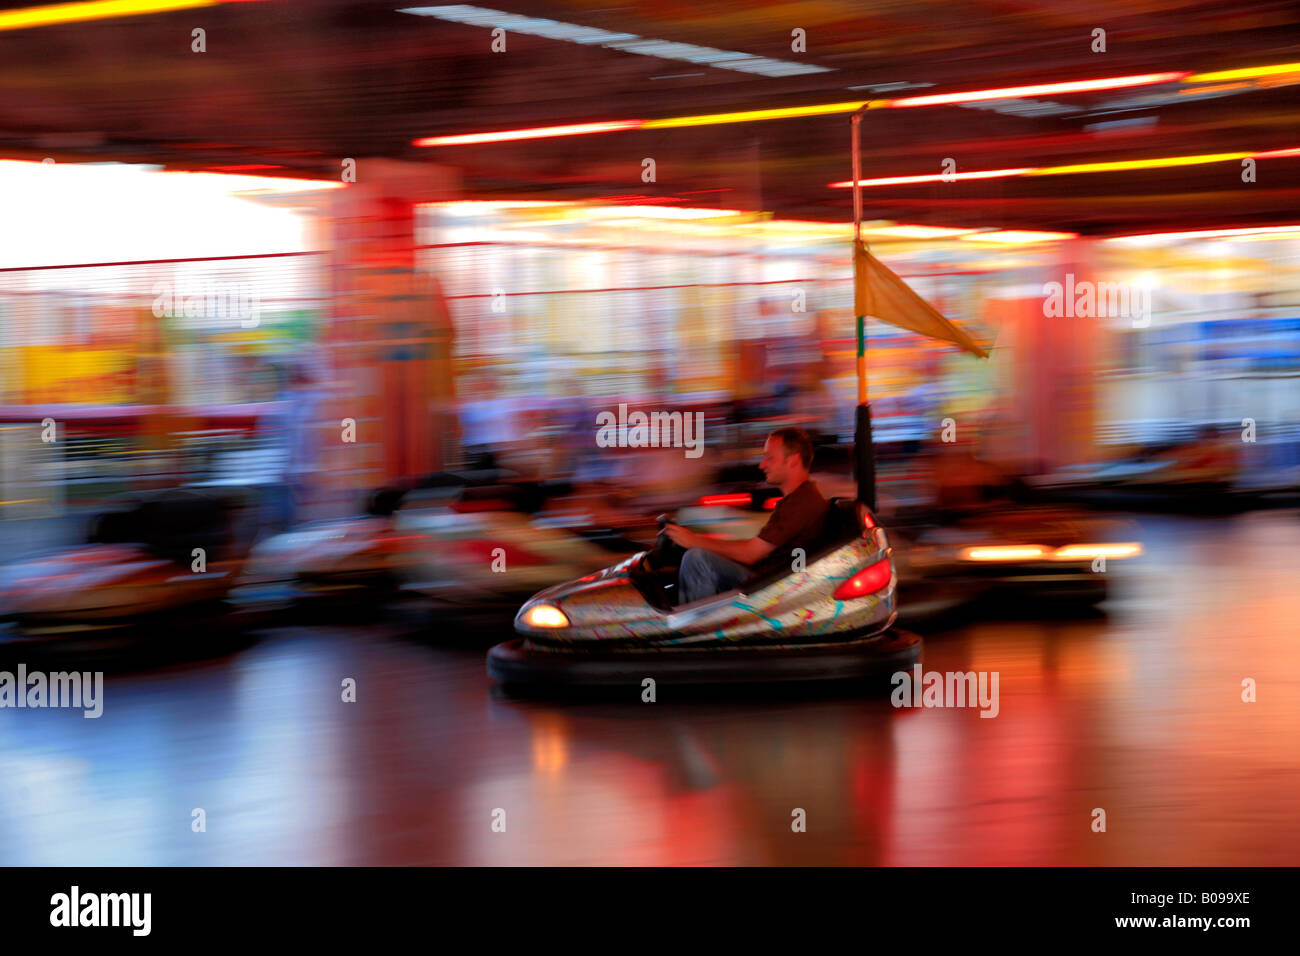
704,573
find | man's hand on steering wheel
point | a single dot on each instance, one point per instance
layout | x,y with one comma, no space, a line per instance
682,537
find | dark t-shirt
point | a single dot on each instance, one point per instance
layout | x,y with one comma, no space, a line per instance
796,523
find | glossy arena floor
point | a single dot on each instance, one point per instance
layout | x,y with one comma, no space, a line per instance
1137,711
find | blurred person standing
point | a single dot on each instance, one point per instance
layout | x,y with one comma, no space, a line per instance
573,430
488,420
298,444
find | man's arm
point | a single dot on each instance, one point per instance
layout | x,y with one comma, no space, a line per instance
747,552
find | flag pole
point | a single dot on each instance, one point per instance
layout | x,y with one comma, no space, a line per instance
864,458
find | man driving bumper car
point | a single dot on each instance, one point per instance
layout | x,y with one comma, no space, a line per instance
712,565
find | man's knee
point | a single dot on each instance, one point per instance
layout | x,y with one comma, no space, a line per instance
700,566
698,576
695,559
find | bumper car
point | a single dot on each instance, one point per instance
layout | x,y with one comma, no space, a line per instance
491,548
833,620
1200,476
160,566
329,563
490,560
445,538
1144,486
1012,555
324,563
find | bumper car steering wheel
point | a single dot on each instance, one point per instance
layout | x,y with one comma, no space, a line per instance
666,553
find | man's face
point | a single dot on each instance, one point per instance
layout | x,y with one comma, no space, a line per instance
776,463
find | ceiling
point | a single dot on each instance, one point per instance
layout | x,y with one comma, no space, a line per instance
296,86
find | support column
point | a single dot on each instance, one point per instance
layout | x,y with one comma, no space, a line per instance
390,332
1047,414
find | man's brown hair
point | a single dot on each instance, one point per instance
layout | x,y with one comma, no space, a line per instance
795,441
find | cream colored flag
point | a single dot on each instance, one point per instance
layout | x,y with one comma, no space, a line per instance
881,294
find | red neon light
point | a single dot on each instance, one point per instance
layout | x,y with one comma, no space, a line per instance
711,500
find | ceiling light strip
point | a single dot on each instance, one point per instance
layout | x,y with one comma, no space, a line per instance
1247,73
540,132
1163,162
1040,89
816,109
28,17
624,42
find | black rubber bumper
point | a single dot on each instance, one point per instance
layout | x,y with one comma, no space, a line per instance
518,662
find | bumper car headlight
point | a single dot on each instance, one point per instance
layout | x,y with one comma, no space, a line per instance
545,615
1008,552
1077,552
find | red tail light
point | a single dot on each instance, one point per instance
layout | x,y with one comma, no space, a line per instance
867,581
